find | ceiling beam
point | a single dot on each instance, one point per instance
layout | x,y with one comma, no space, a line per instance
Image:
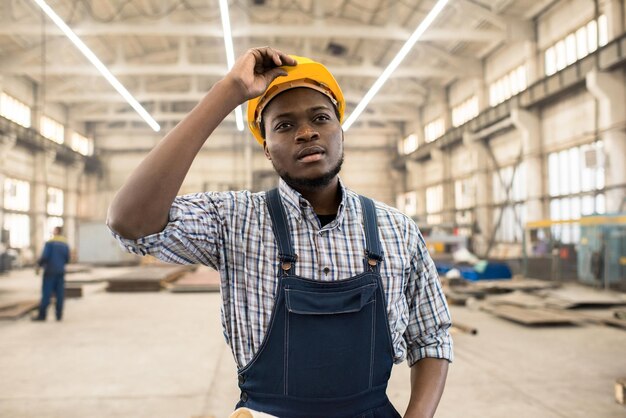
195,96
466,6
87,29
162,117
470,66
121,70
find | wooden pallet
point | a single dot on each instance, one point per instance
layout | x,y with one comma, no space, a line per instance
145,279
202,280
16,310
531,317
73,291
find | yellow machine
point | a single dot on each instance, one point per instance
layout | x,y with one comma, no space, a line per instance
591,249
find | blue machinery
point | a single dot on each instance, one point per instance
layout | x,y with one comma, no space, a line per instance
598,244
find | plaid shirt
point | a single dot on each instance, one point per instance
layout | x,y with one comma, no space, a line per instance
232,232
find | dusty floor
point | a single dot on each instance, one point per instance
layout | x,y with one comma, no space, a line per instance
163,355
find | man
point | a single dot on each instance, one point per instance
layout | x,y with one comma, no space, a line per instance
321,290
55,255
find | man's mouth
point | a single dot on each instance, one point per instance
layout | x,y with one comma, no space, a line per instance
310,154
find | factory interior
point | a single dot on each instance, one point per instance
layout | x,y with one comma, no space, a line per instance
498,127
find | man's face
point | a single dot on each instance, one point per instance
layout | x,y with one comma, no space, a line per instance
303,138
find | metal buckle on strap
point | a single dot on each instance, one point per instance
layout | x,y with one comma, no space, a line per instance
286,261
372,258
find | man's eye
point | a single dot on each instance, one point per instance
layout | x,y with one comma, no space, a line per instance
282,125
322,117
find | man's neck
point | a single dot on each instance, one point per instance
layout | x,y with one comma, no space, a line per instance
325,200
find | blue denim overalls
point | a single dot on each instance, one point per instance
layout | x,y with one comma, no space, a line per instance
327,352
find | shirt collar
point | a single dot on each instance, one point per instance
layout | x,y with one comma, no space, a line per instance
294,203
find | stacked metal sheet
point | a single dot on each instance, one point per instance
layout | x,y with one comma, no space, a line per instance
73,291
145,278
16,310
204,279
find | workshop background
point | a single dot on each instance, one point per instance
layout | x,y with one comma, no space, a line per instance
501,132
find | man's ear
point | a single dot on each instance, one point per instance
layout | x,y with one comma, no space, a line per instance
266,151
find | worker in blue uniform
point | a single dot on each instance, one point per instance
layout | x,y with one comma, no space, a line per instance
322,289
54,257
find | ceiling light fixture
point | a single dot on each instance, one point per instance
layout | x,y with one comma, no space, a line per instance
230,53
394,63
98,64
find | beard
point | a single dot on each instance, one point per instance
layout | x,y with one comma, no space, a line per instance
314,183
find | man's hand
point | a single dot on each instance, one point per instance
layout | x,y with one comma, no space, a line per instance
256,69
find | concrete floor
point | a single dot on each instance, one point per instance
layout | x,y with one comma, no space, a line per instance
163,355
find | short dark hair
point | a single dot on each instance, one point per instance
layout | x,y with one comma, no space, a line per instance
58,229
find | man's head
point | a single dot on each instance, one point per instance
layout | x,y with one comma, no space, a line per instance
58,230
298,122
303,138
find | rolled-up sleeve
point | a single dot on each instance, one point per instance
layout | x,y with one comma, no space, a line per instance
428,330
193,234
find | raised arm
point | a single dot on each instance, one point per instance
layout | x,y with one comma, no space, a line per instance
142,205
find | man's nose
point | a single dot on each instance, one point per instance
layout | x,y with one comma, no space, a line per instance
306,132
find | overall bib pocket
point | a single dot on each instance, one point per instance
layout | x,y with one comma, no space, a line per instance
338,360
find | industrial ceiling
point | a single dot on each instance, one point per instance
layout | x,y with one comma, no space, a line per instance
168,53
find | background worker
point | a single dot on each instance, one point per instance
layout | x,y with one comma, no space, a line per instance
54,257
322,290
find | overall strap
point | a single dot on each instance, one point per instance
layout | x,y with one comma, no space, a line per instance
373,251
286,254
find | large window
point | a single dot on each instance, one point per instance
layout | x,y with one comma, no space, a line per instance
16,195
507,86
18,225
434,205
52,129
54,210
464,112
464,201
407,203
512,210
434,130
511,225
55,201
14,110
17,198
576,45
464,193
408,144
81,144
576,178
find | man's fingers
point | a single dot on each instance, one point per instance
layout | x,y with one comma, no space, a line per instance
268,56
274,73
287,60
276,59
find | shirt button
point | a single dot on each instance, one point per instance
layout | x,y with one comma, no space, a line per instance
241,378
326,270
244,397
130,247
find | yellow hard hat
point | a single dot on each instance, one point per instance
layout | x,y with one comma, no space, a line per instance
307,73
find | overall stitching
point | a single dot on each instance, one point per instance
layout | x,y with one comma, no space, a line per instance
372,345
286,353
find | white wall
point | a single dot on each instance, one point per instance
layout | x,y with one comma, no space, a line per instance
569,121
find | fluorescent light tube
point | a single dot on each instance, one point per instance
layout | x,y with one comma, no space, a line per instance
98,64
394,63
230,53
